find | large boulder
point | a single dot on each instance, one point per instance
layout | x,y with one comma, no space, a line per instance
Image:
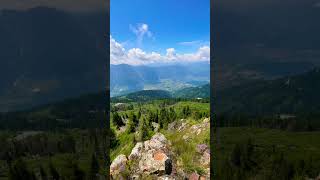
150,158
153,162
158,141
118,166
155,157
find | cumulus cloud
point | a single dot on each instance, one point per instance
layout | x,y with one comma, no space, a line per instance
137,56
141,30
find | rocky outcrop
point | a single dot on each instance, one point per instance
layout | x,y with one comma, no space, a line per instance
196,129
152,157
179,125
155,157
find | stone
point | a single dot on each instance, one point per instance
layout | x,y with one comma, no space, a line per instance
205,158
182,127
158,141
194,176
118,165
178,125
159,137
155,126
153,162
136,151
172,126
206,120
201,148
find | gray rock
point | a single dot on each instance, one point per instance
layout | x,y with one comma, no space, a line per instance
118,165
172,126
153,162
136,151
201,148
158,141
205,158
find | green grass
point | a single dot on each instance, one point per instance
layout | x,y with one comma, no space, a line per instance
125,147
185,151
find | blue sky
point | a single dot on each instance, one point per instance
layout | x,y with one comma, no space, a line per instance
160,25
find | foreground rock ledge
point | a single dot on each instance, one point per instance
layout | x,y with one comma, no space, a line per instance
151,157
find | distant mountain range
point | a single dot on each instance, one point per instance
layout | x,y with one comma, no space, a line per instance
287,95
126,78
263,39
48,55
194,92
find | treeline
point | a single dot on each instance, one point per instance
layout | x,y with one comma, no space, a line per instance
172,99
298,122
162,116
88,111
48,119
247,160
74,145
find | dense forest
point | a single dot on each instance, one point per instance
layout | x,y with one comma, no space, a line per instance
64,140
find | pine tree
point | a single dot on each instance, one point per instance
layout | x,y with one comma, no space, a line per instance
117,120
143,130
134,118
139,114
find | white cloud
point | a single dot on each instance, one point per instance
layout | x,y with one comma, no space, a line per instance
171,55
190,43
141,30
137,56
